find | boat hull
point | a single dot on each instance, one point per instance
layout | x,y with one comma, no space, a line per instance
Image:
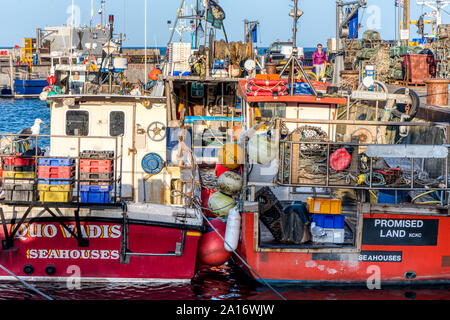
412,256
29,87
46,246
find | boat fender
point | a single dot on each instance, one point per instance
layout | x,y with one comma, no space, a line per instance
211,249
43,95
233,229
340,159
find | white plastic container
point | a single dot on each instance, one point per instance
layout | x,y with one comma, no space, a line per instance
330,236
233,229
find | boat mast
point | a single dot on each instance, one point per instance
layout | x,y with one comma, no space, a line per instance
145,50
406,19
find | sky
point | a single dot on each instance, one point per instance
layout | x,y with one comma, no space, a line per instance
20,18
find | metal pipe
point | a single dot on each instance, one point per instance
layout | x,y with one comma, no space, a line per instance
362,122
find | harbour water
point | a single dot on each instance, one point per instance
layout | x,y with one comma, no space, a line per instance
217,283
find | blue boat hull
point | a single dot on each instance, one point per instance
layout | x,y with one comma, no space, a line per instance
29,87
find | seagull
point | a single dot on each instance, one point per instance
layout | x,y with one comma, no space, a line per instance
34,130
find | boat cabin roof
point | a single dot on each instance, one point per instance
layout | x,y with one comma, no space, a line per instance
108,97
302,98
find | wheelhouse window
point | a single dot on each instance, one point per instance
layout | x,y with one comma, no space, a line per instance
271,110
116,123
77,123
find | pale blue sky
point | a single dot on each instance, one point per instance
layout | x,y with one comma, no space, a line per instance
20,18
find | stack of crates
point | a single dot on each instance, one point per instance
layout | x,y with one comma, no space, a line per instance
96,176
327,214
56,179
18,178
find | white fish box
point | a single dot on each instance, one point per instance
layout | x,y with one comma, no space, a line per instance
330,236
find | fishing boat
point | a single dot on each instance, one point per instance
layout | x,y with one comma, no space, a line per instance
115,197
299,226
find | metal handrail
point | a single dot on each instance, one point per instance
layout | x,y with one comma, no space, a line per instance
287,168
118,156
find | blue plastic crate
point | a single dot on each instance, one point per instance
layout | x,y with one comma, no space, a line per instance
385,196
331,221
95,194
56,162
56,182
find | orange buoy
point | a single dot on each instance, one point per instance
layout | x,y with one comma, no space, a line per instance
211,249
153,75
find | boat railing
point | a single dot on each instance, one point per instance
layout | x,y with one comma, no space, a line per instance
29,146
408,166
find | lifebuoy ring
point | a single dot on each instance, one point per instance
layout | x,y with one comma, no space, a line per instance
266,93
267,83
266,89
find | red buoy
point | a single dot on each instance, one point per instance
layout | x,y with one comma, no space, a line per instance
211,250
51,80
340,159
221,169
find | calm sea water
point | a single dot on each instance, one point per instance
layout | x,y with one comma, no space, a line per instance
218,283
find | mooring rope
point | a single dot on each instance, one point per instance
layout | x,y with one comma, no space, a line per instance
29,286
199,207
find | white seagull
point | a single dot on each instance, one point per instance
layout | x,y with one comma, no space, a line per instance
35,129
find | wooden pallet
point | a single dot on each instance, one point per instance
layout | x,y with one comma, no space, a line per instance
412,84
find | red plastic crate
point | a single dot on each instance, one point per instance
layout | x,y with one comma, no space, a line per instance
95,166
95,169
50,172
95,163
18,161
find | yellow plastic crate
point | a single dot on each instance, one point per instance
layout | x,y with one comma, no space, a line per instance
56,188
55,196
18,174
324,206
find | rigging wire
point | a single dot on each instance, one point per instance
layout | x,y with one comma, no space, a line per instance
29,286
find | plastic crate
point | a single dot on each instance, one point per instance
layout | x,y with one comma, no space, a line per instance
324,206
95,169
385,196
58,188
18,161
55,196
61,172
17,168
18,174
330,236
98,176
56,162
95,163
330,221
94,194
92,154
19,192
56,182
96,183
18,181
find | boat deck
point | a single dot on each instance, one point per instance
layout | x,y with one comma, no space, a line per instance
267,241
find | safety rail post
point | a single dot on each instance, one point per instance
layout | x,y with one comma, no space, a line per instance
327,182
290,160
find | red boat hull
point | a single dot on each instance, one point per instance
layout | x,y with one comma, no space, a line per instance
426,260
46,243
